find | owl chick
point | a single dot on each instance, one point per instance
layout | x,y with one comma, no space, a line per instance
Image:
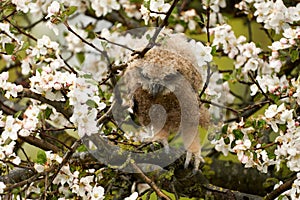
163,87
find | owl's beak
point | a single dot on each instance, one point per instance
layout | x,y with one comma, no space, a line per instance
156,88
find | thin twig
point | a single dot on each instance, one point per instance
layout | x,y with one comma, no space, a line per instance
102,52
43,19
258,104
209,74
54,139
260,89
149,182
268,34
66,159
21,183
114,43
67,64
7,16
207,24
157,31
265,146
220,106
249,30
21,31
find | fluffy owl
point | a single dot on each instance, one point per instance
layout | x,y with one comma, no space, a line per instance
163,87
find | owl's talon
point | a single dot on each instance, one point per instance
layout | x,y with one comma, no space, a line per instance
187,159
198,160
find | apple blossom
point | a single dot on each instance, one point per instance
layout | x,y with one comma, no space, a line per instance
133,196
12,126
157,7
2,187
103,7
97,193
53,9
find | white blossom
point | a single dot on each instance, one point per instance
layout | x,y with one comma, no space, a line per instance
22,5
12,126
97,193
103,7
158,8
53,9
2,187
133,196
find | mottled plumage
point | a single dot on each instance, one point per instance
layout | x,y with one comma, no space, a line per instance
163,87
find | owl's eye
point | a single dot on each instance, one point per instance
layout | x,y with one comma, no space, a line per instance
170,77
145,76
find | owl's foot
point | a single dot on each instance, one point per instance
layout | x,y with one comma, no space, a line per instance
198,159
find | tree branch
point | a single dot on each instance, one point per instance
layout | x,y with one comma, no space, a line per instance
149,182
281,189
60,106
151,43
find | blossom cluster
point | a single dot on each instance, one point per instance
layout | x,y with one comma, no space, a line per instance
273,14
50,83
42,6
287,44
10,89
154,9
83,184
238,140
248,139
8,139
215,15
85,98
69,182
246,54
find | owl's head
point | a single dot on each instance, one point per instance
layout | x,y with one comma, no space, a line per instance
156,77
165,67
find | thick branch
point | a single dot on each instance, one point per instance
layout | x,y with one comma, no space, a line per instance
230,177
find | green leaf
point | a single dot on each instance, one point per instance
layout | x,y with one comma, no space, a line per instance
261,123
9,48
226,77
294,55
25,45
91,35
249,123
82,148
87,76
48,112
18,114
91,103
214,50
224,129
71,10
80,57
40,70
148,36
238,134
41,157
227,140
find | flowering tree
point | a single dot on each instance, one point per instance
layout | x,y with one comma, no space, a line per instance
62,60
